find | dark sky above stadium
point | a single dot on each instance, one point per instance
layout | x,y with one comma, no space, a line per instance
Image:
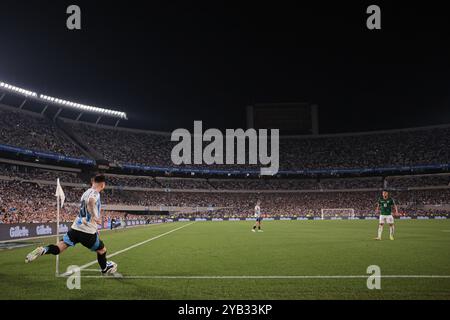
167,64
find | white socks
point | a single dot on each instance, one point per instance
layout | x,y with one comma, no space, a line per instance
380,231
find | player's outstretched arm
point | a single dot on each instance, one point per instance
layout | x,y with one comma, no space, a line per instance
395,209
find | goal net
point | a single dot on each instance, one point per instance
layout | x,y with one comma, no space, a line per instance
338,213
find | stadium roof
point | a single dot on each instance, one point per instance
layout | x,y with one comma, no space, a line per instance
63,103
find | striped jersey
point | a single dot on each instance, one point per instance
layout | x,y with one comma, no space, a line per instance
257,211
90,226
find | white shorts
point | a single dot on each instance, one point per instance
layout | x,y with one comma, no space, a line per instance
386,219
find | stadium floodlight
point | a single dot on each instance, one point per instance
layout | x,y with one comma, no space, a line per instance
82,107
18,90
62,102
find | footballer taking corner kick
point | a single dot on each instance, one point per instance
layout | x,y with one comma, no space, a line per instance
84,229
258,217
384,206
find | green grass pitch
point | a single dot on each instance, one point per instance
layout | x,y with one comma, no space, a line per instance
285,248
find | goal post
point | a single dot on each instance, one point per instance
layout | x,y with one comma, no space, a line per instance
336,213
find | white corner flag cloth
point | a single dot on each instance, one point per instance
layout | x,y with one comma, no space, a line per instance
60,193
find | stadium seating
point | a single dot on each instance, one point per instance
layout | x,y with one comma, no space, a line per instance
27,199
369,150
34,132
419,181
424,146
27,192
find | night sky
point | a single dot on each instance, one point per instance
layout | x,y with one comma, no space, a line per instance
167,64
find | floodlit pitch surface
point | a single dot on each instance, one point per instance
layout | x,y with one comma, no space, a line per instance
221,249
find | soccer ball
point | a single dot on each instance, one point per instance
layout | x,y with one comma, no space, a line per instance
114,267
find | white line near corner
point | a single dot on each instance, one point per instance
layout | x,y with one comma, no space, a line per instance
131,247
248,277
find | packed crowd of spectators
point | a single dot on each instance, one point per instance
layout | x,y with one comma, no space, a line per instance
126,146
415,212
24,200
176,183
418,181
31,202
31,173
124,181
34,132
402,148
129,181
352,183
265,184
399,148
297,204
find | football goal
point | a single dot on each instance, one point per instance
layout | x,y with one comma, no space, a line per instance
336,213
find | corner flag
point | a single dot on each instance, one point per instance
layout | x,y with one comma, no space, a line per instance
60,193
60,197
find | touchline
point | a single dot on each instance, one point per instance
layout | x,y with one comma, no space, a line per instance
236,150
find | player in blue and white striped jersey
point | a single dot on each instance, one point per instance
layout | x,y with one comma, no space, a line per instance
84,229
258,217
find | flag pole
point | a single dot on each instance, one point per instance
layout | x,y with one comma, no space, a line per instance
57,228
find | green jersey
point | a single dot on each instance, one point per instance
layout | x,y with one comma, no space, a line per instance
386,206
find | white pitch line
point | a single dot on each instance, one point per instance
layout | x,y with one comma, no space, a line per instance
131,247
92,270
277,277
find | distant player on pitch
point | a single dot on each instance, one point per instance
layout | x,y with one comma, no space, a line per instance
258,217
84,229
384,206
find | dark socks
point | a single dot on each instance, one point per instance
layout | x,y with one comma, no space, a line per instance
52,249
259,227
254,227
101,258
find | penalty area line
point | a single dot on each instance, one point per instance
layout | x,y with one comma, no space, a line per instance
128,248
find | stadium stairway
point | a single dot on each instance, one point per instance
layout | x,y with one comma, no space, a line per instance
67,133
212,186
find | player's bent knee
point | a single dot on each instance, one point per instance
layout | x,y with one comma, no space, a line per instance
62,246
99,246
102,250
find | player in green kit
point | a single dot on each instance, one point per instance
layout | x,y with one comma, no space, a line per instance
384,206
